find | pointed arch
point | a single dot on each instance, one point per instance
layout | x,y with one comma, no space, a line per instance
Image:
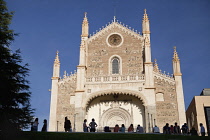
114,92
115,65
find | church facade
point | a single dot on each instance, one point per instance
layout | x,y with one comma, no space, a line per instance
116,82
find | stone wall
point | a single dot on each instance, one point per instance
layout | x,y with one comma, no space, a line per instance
66,91
166,103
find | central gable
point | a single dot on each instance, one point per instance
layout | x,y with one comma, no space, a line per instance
115,50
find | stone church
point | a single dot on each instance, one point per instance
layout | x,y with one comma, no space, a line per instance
116,82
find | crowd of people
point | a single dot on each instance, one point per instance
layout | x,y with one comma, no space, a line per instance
177,130
91,127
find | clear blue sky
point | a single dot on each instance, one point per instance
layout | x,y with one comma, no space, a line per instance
45,26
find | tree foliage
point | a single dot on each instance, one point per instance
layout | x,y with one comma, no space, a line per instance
15,108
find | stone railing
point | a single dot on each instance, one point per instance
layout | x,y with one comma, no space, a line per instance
116,78
164,76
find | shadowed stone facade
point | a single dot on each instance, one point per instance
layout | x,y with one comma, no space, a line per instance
116,83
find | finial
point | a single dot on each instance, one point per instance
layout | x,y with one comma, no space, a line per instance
85,20
57,58
145,11
156,68
64,74
145,18
176,57
174,48
155,61
85,26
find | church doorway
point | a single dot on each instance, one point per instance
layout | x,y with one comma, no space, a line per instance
109,110
114,116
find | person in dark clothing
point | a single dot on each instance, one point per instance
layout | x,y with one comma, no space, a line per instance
166,129
177,129
193,132
202,130
67,125
44,127
184,129
93,125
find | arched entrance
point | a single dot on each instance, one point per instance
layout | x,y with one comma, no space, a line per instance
112,109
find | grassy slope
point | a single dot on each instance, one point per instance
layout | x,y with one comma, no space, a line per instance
98,136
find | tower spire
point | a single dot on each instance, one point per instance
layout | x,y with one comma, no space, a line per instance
145,17
57,61
145,23
85,26
54,93
176,57
176,63
56,67
179,87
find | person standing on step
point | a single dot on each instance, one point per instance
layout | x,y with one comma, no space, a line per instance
44,127
67,125
85,128
93,125
202,130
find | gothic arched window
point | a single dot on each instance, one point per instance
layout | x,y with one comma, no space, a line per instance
115,65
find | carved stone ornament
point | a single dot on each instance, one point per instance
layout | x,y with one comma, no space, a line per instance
115,105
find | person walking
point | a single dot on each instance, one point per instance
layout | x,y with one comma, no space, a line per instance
35,125
202,130
156,129
93,125
85,128
44,127
67,125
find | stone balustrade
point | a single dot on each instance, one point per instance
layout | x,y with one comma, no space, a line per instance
164,76
115,78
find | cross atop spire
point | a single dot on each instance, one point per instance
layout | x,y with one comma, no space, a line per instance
114,18
176,57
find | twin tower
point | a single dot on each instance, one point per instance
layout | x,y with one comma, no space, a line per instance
116,82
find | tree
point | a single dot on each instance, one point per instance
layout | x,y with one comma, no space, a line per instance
15,108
